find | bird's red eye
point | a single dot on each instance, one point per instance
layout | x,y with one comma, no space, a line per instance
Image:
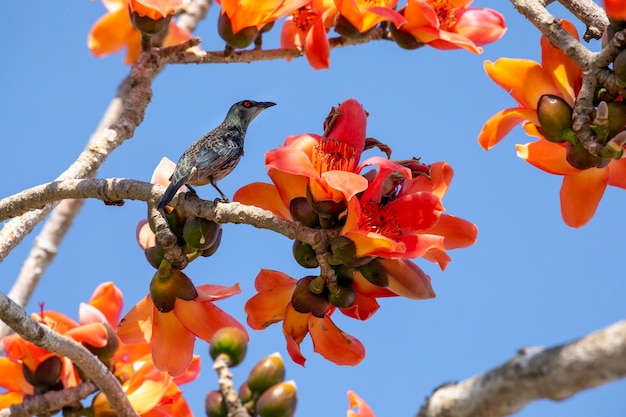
247,104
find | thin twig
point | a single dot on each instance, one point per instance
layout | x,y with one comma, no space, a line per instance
50,401
225,380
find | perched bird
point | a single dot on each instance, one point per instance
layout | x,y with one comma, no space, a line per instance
215,154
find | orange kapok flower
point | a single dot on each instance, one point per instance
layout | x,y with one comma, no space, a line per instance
257,13
363,15
306,28
357,402
615,9
115,31
527,81
451,24
172,334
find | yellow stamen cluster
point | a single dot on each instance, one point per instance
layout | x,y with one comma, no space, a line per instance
378,220
332,154
446,13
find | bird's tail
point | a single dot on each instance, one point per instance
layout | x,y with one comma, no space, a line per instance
169,194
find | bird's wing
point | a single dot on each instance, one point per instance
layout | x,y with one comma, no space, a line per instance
217,151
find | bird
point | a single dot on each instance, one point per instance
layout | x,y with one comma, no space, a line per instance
215,155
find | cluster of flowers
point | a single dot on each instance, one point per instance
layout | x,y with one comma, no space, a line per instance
546,94
28,370
443,24
378,215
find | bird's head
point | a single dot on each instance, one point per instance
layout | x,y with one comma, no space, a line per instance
245,111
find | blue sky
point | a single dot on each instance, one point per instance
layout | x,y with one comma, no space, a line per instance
529,280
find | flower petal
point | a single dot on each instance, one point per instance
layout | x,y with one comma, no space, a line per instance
617,173
172,343
210,292
567,76
136,326
295,328
357,402
481,26
94,334
333,344
547,156
501,123
457,232
12,377
109,300
203,319
590,183
264,196
407,279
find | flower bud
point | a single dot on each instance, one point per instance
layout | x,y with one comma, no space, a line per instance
619,68
346,29
304,254
375,273
154,255
617,117
342,295
245,393
302,212
241,39
176,220
200,233
578,157
214,404
229,341
404,39
149,26
326,208
555,117
344,250
106,352
167,285
48,373
214,247
278,401
267,372
304,301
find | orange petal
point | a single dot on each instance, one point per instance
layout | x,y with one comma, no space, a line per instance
481,26
333,344
155,9
547,156
10,398
567,76
203,318
268,279
95,334
176,35
368,243
192,372
418,245
617,173
441,175
438,256
268,307
295,328
356,402
501,123
172,344
363,308
349,183
580,195
316,46
458,232
407,279
524,79
289,186
109,300
136,326
291,160
264,196
110,33
12,377
210,292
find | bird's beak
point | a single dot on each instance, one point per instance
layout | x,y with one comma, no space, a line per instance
266,104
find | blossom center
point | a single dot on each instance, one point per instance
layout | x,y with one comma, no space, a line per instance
332,154
446,13
303,18
378,220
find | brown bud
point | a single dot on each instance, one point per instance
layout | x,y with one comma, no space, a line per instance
617,117
278,401
344,250
229,341
149,26
555,117
578,157
347,29
404,39
267,372
106,352
326,208
154,255
167,285
48,372
304,301
342,295
214,404
241,39
304,254
302,212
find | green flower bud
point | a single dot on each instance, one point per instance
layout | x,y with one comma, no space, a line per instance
404,39
154,255
245,393
375,273
302,212
344,250
241,39
617,117
267,372
213,248
304,254
278,401
176,220
304,301
149,26
214,404
555,117
341,295
229,341
578,157
106,352
200,233
169,284
267,27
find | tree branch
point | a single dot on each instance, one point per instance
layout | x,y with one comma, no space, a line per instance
225,380
50,401
42,336
590,14
535,373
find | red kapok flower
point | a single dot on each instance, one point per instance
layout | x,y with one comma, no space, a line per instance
257,13
527,81
115,31
364,15
357,402
451,24
306,28
615,9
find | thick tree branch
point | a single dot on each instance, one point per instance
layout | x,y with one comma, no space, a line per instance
590,14
535,373
44,337
225,380
50,401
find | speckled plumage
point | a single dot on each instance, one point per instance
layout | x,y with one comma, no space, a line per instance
215,154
